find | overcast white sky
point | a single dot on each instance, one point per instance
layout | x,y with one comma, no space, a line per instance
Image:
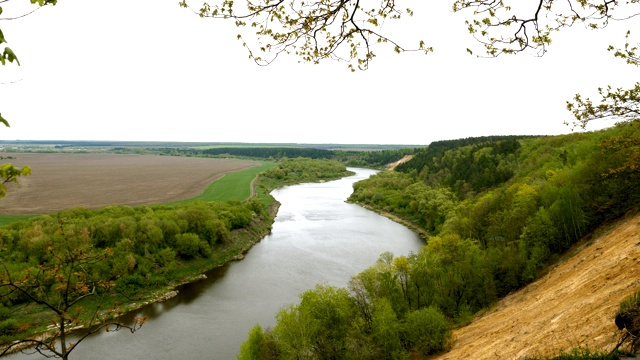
150,70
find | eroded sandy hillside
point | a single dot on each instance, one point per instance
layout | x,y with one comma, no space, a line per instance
573,305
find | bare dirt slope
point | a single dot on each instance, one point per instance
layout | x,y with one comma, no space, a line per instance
393,165
573,305
59,181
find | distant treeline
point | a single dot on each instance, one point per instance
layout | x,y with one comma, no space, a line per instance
372,156
137,145
355,158
271,152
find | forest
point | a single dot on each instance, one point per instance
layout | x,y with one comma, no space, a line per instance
497,211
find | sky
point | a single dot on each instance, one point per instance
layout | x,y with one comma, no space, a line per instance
148,70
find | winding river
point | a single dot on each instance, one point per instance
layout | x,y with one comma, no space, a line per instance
317,238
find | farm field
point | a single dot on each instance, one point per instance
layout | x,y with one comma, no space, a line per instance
59,181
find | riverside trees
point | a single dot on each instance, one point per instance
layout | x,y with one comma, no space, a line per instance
78,266
81,269
69,273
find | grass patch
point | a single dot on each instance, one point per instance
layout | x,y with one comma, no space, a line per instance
232,186
9,219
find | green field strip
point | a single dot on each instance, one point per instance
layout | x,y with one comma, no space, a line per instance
232,186
8,219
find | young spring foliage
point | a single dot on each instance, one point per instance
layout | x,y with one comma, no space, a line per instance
7,55
342,30
334,323
558,189
510,27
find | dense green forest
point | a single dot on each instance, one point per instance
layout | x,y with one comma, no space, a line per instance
94,264
497,210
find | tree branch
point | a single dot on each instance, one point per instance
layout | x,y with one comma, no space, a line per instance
320,29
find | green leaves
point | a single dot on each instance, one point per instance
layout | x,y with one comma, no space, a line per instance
628,53
313,30
618,104
44,2
503,30
10,173
8,56
4,121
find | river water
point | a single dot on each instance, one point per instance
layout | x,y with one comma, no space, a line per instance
317,238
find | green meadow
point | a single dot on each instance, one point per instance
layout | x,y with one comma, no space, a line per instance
232,186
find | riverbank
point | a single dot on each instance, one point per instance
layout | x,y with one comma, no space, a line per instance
424,235
242,240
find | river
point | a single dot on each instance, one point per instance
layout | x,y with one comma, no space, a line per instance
317,238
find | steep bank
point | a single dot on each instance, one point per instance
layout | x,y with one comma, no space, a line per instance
573,305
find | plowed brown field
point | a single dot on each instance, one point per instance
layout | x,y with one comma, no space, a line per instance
573,305
59,181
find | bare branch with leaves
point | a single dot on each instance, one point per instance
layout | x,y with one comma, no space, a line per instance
505,27
341,30
615,104
65,285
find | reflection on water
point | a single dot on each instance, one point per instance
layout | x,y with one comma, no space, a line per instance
317,238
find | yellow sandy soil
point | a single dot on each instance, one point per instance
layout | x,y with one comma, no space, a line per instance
573,305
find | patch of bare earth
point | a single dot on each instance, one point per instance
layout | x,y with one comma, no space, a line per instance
59,181
393,165
573,305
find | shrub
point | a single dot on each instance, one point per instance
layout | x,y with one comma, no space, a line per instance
8,327
628,319
188,245
427,331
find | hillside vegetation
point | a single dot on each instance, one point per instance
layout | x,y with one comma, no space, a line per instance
571,306
498,211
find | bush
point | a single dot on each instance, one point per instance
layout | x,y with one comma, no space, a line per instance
8,327
255,346
427,331
628,318
128,285
5,313
188,245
